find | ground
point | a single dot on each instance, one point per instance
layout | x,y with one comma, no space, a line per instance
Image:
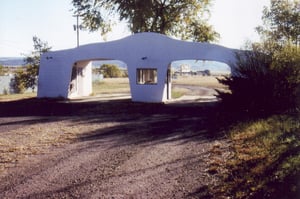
109,149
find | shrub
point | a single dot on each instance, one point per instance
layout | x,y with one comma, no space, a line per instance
263,83
18,83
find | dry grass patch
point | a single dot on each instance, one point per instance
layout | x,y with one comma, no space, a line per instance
111,85
203,81
12,97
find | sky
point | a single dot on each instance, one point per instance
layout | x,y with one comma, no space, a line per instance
52,21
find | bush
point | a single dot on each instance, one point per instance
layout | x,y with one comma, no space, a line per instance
18,83
110,71
260,83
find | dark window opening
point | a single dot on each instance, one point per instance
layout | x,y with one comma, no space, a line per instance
146,76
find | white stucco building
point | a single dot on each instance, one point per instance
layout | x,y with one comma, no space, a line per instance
68,73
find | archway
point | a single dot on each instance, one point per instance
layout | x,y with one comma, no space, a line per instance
148,55
87,78
197,79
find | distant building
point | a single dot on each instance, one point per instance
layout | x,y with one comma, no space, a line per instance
203,72
185,69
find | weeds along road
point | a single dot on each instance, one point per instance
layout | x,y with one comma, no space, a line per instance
114,149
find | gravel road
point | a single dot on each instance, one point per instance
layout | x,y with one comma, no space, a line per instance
155,154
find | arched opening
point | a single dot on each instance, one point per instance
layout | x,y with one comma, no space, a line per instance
197,79
99,78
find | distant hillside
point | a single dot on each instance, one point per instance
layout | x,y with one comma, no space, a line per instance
19,61
12,61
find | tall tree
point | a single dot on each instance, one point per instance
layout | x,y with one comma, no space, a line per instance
268,76
281,23
186,19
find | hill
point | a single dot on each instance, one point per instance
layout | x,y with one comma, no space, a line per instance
12,61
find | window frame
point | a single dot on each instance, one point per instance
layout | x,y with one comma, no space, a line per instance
141,76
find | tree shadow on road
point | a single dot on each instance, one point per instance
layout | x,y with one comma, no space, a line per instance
143,124
139,122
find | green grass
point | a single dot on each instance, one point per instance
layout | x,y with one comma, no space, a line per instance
111,85
178,92
265,159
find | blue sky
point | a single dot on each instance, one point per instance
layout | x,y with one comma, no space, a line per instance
52,21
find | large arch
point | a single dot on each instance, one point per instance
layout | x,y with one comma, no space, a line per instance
146,55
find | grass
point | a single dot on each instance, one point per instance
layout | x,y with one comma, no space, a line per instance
111,85
178,92
121,85
11,97
265,160
203,81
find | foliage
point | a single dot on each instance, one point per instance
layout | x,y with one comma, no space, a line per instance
265,160
250,87
263,84
110,70
281,23
267,78
28,78
186,19
18,83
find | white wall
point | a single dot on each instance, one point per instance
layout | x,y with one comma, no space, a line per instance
142,50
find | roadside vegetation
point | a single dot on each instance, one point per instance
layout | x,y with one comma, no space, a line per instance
265,99
26,78
264,160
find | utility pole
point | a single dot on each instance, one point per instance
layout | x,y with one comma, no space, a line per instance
77,27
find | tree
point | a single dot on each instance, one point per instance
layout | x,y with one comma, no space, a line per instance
110,70
267,78
27,78
281,24
186,19
18,83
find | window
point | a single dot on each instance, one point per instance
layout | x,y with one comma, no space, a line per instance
146,76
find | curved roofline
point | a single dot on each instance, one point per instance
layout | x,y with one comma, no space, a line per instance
154,46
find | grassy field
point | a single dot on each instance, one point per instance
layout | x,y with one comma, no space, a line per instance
111,85
203,81
121,85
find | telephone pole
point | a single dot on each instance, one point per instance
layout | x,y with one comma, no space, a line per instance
77,27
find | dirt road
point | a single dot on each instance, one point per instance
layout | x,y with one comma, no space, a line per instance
145,151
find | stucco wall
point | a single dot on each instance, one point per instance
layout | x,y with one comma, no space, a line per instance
142,50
